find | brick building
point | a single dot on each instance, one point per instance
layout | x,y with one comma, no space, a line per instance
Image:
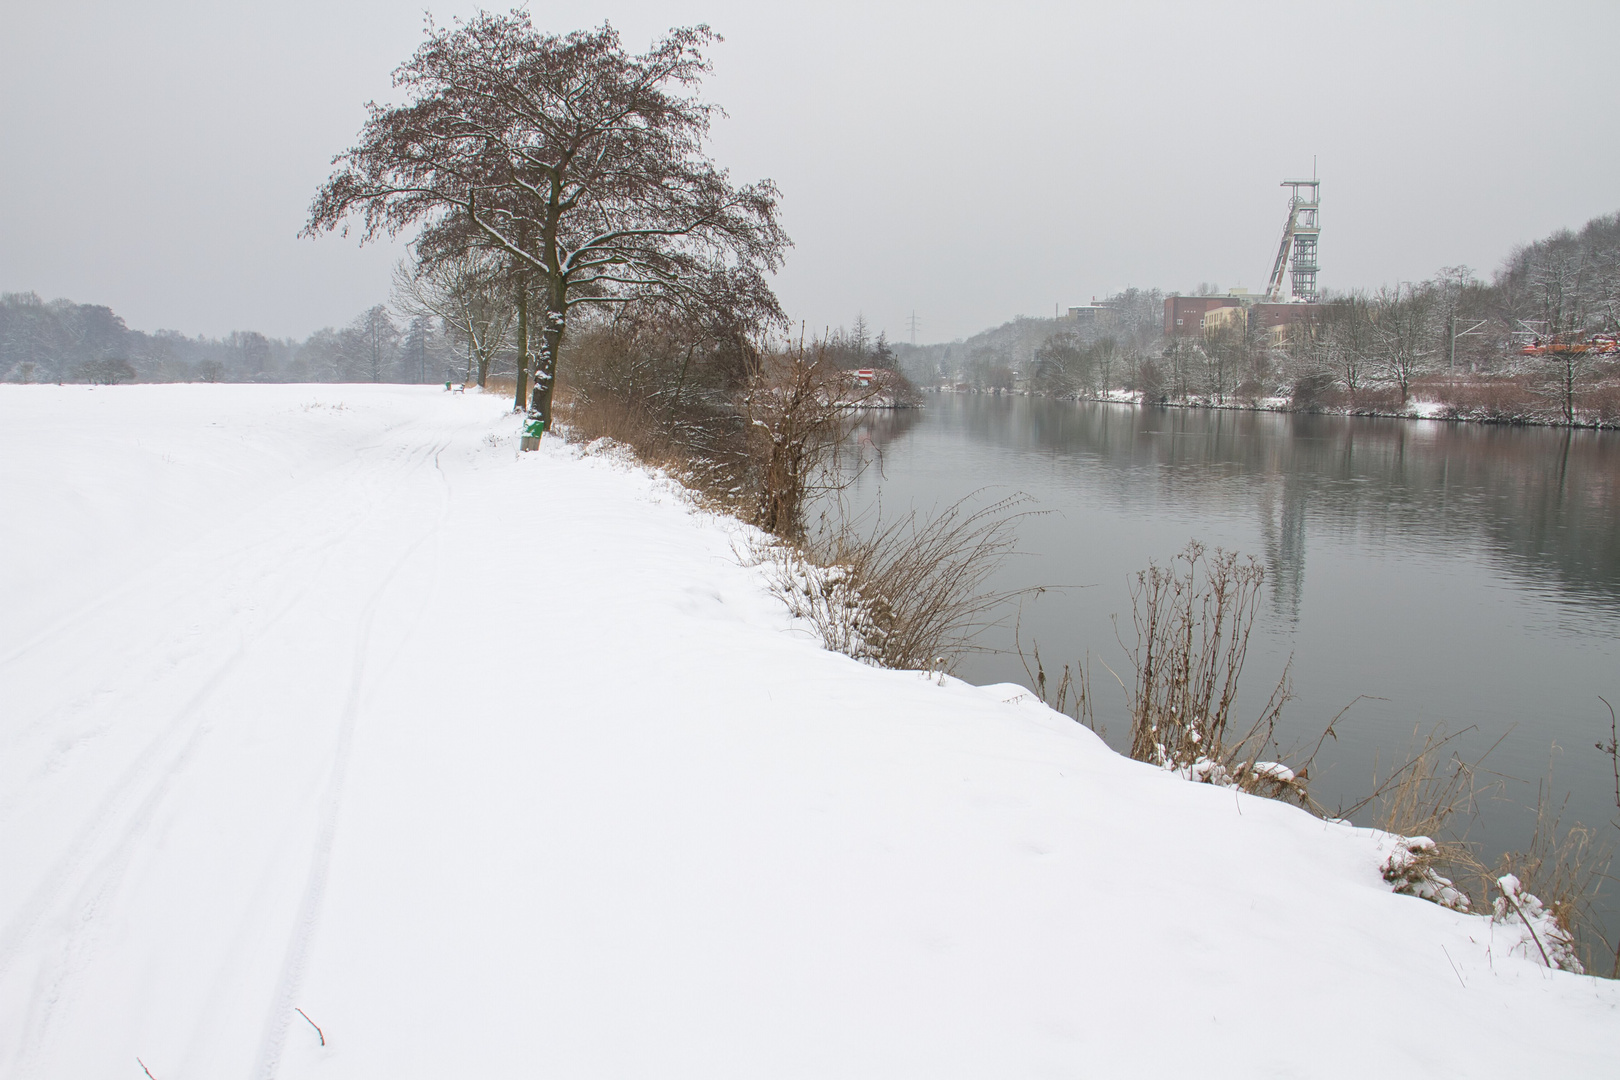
1184,315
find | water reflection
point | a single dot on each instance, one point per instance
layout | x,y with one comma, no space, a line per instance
1282,528
1543,501
877,428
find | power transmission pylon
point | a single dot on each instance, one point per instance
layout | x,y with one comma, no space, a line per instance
912,322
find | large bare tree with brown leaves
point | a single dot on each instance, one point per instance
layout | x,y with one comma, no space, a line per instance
580,164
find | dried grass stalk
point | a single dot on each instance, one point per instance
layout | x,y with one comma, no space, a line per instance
912,593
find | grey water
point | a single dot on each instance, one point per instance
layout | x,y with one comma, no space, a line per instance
1436,574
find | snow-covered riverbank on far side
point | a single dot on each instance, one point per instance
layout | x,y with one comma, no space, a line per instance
329,716
1417,408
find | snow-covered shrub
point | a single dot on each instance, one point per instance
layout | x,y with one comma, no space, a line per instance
1556,879
827,598
1553,881
1413,804
1271,779
1411,869
1535,930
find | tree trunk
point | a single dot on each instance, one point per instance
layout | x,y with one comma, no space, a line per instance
522,345
545,374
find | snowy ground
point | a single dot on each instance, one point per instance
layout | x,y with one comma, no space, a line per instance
502,765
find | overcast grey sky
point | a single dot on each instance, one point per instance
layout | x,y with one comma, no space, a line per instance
971,162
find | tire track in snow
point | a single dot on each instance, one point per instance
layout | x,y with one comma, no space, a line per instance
95,863
106,815
274,1035
334,481
163,565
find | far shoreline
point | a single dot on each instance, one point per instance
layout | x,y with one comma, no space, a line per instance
1416,410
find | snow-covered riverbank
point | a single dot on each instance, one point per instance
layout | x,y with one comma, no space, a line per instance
1415,409
324,698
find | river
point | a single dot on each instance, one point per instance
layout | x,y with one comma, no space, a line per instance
1453,575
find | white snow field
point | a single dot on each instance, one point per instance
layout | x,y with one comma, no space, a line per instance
324,698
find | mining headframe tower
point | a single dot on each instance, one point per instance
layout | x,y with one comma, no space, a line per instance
1301,233
1282,306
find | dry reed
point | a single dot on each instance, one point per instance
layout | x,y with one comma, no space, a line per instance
911,593
1565,867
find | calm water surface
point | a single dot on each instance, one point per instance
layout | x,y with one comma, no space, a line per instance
1457,574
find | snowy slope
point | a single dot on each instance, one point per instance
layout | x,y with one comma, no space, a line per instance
502,765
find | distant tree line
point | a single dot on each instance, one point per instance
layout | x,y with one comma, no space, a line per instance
1053,356
61,341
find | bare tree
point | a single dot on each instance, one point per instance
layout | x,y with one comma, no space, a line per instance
471,296
1062,366
580,163
1178,360
1403,328
251,352
860,337
1225,349
1105,355
1347,324
378,339
1560,285
1137,316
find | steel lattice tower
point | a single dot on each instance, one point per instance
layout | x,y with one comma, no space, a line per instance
1299,239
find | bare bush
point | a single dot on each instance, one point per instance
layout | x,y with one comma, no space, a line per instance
106,372
1193,620
799,408
664,385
